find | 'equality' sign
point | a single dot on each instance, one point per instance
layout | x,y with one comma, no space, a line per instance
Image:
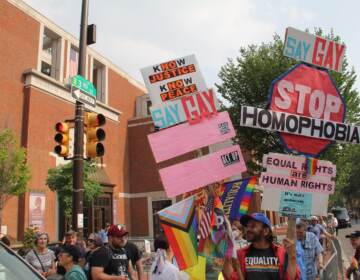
173,79
314,49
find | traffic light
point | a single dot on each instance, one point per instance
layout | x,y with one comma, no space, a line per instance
94,134
62,138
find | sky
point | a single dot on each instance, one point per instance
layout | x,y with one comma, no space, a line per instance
138,33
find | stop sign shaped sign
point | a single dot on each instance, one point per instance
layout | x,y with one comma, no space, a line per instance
306,91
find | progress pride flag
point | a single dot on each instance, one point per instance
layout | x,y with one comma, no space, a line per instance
184,138
190,175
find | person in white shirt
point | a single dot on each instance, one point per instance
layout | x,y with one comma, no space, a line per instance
162,267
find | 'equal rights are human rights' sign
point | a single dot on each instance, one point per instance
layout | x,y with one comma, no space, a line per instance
315,50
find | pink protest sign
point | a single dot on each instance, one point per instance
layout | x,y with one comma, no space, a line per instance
296,184
184,138
190,175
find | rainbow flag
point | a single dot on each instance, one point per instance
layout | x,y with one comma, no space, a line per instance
311,166
237,197
180,227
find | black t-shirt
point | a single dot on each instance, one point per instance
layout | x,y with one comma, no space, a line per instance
133,252
114,261
261,264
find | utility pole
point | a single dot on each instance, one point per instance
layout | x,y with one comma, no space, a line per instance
78,160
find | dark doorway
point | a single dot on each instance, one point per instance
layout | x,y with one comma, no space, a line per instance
156,207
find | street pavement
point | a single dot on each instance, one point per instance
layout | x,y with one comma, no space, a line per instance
348,251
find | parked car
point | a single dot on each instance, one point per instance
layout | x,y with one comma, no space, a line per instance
342,216
14,267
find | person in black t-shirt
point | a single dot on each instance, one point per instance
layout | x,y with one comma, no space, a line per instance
112,262
134,255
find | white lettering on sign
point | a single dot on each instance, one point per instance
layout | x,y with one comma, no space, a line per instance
320,103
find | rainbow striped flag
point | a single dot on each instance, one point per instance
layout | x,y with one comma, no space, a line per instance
237,197
180,227
311,166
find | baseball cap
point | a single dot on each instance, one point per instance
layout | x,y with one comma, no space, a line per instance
117,231
354,234
260,217
73,251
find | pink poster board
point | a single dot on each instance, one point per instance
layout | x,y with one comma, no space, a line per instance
184,138
190,175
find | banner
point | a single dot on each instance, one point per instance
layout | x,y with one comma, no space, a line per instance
299,125
173,79
313,49
237,197
193,174
37,210
272,200
180,227
184,138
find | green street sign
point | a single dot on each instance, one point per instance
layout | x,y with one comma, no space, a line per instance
84,85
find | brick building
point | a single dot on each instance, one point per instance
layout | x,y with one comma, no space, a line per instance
36,59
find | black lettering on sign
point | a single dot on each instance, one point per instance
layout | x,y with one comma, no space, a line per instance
224,128
230,158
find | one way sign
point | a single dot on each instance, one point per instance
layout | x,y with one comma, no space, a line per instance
80,90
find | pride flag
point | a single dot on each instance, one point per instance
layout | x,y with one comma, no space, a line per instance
237,196
311,166
180,227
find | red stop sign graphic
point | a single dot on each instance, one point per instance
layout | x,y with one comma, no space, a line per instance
307,91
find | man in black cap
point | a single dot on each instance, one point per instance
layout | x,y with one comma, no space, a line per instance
69,258
263,259
112,262
355,243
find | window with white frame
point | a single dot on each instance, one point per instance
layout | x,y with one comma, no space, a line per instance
51,54
99,80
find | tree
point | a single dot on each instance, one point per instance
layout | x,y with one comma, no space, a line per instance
60,179
14,172
246,81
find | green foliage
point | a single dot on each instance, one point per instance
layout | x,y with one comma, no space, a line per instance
246,80
14,173
60,179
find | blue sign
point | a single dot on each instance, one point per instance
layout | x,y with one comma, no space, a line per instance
298,204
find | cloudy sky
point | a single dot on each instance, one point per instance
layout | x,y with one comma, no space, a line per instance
138,33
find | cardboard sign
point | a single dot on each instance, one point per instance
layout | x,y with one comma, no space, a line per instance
190,108
184,138
299,125
296,184
193,174
295,204
173,79
272,197
314,49
295,166
306,91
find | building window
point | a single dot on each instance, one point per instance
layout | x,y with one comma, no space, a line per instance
156,207
99,80
51,54
73,61
148,105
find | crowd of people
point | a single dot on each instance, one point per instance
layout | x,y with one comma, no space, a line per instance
108,255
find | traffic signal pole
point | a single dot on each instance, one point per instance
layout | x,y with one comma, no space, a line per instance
78,159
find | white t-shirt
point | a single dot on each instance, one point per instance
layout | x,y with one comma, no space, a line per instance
169,272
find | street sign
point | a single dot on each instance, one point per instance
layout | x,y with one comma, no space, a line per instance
84,85
83,90
307,91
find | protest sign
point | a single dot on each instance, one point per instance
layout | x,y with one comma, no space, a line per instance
295,166
191,107
313,49
299,125
173,79
295,203
199,172
306,91
184,138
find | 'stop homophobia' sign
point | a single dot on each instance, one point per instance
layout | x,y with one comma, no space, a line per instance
173,79
314,49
